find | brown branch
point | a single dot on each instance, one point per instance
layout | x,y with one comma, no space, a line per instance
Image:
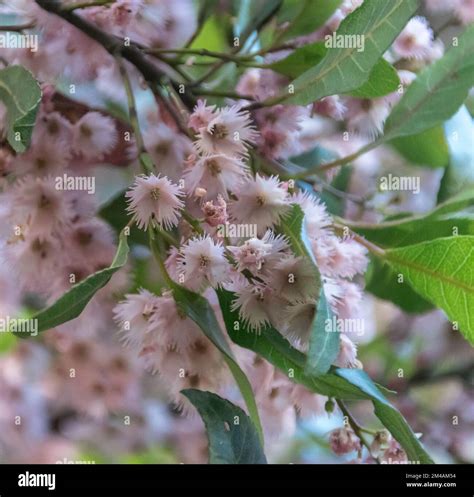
115,46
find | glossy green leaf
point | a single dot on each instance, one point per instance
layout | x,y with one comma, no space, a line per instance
252,15
383,79
383,282
345,69
437,92
197,308
21,95
324,340
442,271
233,438
454,217
305,16
300,60
428,148
73,302
293,227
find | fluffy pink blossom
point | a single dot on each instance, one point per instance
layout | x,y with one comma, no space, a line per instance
168,149
39,206
343,441
257,254
203,263
154,200
94,135
201,116
229,133
261,201
415,41
134,315
217,174
294,278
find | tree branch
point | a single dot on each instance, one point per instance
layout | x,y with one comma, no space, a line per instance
115,46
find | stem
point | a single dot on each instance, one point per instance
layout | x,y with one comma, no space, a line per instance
84,5
193,222
209,73
202,51
132,111
18,27
371,247
154,242
225,94
358,430
338,162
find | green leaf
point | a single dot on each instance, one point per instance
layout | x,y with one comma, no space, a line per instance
305,16
198,309
428,148
323,345
383,79
253,14
346,69
455,217
232,436
437,92
292,226
300,60
383,282
211,36
338,383
73,302
323,342
442,271
21,94
459,174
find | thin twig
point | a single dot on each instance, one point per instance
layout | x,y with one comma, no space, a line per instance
85,5
358,430
18,27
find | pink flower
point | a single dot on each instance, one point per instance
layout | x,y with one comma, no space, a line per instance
252,302
294,278
134,315
259,254
44,158
216,174
331,106
464,10
170,327
202,115
94,135
343,441
154,200
415,41
229,133
347,357
215,213
39,205
261,201
298,318
203,263
168,149
367,116
394,454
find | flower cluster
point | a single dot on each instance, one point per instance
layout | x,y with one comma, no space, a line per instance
220,199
